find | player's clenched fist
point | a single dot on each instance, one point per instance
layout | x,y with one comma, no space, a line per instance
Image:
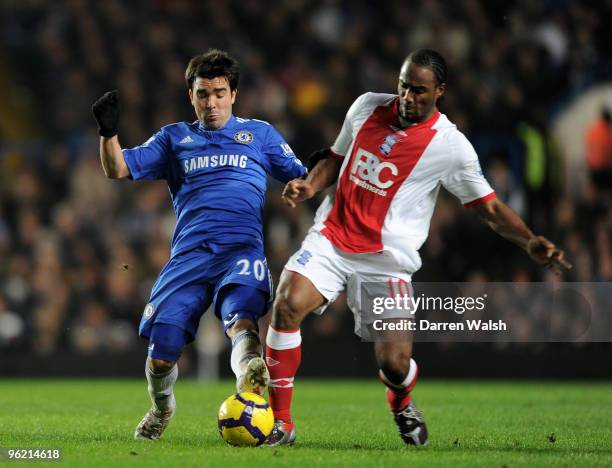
106,113
296,191
546,253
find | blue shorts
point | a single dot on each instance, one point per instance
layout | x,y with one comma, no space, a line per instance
189,283
235,301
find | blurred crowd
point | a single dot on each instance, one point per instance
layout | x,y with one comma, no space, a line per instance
79,253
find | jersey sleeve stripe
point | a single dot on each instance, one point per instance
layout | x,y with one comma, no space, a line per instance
480,200
335,155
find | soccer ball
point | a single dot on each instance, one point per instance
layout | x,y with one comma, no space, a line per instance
245,419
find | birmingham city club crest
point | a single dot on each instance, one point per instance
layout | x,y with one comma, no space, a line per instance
387,145
304,257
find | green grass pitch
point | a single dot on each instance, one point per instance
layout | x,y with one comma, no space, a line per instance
340,423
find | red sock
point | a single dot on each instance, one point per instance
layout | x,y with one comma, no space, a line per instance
398,395
283,356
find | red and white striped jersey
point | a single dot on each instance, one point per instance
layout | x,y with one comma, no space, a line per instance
390,178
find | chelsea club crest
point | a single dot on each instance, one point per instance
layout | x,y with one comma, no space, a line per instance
243,137
149,310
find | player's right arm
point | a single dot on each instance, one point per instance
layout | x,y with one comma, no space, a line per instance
111,156
324,165
147,161
106,113
323,175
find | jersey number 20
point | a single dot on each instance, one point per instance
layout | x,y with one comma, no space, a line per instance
259,270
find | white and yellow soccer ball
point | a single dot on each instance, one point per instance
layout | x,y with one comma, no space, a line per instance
245,419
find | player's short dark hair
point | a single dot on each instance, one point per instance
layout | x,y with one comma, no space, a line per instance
212,64
432,59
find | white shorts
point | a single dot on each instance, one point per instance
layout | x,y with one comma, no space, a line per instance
364,276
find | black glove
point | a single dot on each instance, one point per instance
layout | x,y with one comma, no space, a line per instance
106,113
315,157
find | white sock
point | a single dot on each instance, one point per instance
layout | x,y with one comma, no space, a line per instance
246,345
161,387
407,383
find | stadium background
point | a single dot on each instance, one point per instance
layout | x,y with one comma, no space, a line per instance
79,253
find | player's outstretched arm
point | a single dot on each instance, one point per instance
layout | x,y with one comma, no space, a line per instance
323,174
511,226
106,113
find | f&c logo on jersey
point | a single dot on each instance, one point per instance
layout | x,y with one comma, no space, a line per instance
243,136
368,172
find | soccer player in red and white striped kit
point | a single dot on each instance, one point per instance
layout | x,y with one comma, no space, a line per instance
389,161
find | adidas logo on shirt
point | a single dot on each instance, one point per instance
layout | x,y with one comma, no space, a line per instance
187,139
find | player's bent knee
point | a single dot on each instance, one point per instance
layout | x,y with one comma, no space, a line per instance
159,366
285,314
296,297
395,371
395,365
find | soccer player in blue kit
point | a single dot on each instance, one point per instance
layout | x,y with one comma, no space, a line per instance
216,170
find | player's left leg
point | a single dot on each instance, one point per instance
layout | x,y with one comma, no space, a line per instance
398,371
240,307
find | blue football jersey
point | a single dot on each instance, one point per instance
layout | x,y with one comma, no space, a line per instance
217,178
